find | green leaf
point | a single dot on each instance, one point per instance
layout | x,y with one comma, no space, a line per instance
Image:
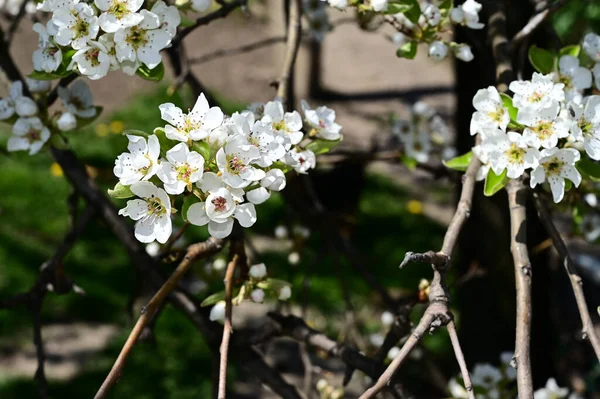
58,141
413,12
408,50
572,50
542,60
320,146
446,5
202,148
494,183
460,163
120,192
272,284
83,122
214,298
189,201
134,132
589,169
396,8
186,22
154,75
508,103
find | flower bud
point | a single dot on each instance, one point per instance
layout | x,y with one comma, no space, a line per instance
66,122
274,180
294,258
285,293
432,14
217,313
392,353
387,319
219,264
463,53
281,232
201,5
438,51
257,295
258,271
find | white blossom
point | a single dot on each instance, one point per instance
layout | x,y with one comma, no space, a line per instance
78,99
463,52
48,55
258,271
29,134
76,25
16,103
54,5
66,122
591,46
140,163
143,41
300,161
536,94
467,14
201,5
92,60
257,295
544,127
432,13
485,375
217,313
575,77
551,391
511,152
438,50
340,4
234,161
181,169
195,125
168,16
152,212
556,165
38,86
322,120
285,293
586,125
506,358
117,14
286,124
418,146
274,180
491,113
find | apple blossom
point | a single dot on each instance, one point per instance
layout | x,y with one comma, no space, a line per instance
258,271
491,113
575,77
586,125
92,61
463,52
234,161
17,103
196,125
78,99
274,180
322,121
511,152
168,16
536,94
140,163
432,13
117,14
551,391
76,25
285,124
544,128
467,14
438,50
48,55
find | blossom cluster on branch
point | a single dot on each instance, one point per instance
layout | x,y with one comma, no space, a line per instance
224,166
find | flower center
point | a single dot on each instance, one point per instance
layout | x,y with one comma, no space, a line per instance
544,130
497,115
554,166
33,136
220,204
81,28
535,97
92,56
514,154
184,172
586,127
279,125
118,8
137,37
321,124
566,81
155,206
234,164
189,124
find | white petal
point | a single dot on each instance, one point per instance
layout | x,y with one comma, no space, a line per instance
245,214
196,214
220,230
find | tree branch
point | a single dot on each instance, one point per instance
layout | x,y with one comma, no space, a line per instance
224,350
588,330
194,252
237,50
294,28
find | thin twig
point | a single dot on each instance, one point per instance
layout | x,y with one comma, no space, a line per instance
40,374
194,251
237,50
294,28
588,330
224,350
15,22
535,22
460,358
222,12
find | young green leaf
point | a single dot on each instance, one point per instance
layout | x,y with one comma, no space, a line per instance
320,146
572,50
414,12
589,169
396,8
120,192
508,103
154,75
214,298
494,183
134,132
202,148
408,50
542,60
460,163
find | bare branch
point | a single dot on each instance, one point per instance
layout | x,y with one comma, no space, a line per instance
40,374
588,331
535,22
460,358
194,252
292,45
224,350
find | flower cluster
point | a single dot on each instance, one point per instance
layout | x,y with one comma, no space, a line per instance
223,165
94,38
32,128
488,381
423,135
